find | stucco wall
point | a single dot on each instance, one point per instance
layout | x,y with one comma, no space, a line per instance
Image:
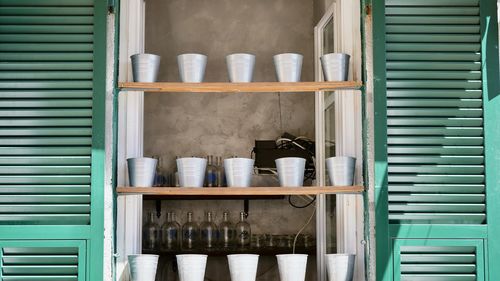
228,124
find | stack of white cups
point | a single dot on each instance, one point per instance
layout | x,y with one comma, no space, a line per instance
292,267
243,267
191,267
143,267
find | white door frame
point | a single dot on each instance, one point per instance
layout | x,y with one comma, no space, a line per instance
130,135
348,129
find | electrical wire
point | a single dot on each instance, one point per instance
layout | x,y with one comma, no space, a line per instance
302,229
300,207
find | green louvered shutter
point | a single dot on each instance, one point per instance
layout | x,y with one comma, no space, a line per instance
437,149
438,260
46,72
434,112
43,260
52,102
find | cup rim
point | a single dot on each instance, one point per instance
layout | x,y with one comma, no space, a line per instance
290,158
341,157
143,255
292,255
191,54
339,255
243,255
336,54
191,255
239,54
142,158
148,54
295,54
191,158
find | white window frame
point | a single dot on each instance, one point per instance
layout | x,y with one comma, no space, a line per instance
348,128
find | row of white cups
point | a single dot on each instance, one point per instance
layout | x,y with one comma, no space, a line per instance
242,267
240,67
238,171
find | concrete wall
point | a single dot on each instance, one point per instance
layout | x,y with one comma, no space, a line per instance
228,124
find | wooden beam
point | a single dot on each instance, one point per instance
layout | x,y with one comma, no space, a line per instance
255,87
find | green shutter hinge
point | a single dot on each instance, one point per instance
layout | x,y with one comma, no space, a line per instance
111,6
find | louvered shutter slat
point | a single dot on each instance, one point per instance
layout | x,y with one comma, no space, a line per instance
40,263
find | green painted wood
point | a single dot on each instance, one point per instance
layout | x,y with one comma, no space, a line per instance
435,38
45,11
435,121
36,75
47,3
436,102
47,38
40,259
45,189
44,170
53,122
435,178
34,56
432,3
40,112
46,85
431,169
46,132
430,112
438,258
45,160
429,19
426,11
46,19
47,103
419,74
46,209
44,179
30,94
432,159
47,47
447,84
441,131
45,66
424,207
434,56
434,93
433,140
441,198
440,188
49,29
439,150
430,28
44,151
41,141
416,47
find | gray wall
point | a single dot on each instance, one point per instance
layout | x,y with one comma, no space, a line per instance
228,124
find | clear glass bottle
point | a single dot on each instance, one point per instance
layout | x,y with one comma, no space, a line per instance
243,232
209,232
190,233
159,177
211,173
170,233
151,233
220,172
227,232
176,174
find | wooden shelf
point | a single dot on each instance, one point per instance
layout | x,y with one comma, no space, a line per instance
240,191
254,87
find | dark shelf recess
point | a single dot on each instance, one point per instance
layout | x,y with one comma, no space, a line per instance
223,252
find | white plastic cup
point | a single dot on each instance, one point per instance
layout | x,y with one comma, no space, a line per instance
291,171
243,267
240,67
191,171
192,67
191,267
288,67
340,267
341,170
292,267
143,267
145,67
141,171
335,66
238,171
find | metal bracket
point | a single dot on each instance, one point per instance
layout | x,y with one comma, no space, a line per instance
111,6
246,207
158,208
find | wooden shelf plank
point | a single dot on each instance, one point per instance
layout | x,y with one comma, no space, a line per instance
240,191
254,87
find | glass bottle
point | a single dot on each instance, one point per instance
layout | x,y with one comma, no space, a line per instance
151,233
159,178
170,233
243,232
211,172
176,174
190,233
220,172
226,231
209,232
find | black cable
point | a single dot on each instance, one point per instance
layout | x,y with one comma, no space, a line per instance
300,207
